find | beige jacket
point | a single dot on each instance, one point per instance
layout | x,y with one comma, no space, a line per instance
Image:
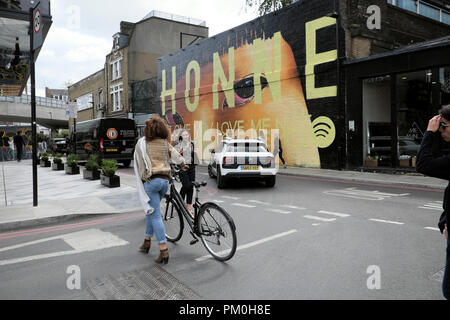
152,158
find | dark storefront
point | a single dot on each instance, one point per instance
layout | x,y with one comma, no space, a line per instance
390,99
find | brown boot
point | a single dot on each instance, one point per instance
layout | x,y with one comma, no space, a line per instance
145,246
163,256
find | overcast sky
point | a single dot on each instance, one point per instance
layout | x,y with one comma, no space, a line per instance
82,30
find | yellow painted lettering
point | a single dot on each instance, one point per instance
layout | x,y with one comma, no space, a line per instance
168,92
272,70
192,66
313,58
220,77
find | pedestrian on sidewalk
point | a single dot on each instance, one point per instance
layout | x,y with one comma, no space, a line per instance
280,153
11,149
19,143
186,148
439,168
152,169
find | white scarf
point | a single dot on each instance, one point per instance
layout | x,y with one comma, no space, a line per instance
143,160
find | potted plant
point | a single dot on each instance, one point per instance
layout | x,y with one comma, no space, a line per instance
58,164
72,164
45,162
108,177
92,171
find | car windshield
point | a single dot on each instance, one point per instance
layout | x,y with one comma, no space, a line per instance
245,147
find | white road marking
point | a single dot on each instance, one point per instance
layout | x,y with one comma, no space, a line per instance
434,229
278,211
341,215
230,198
319,218
363,194
218,201
254,243
387,221
259,202
243,205
82,241
437,205
293,207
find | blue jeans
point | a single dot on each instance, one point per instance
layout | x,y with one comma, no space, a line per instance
156,189
446,282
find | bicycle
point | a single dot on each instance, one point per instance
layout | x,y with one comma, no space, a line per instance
211,223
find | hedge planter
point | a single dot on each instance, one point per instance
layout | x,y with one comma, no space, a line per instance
72,170
91,174
58,166
110,182
45,164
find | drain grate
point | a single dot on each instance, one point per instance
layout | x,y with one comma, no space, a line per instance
151,283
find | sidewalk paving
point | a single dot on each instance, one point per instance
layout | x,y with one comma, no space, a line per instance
62,197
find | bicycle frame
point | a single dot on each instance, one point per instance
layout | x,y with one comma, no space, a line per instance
175,195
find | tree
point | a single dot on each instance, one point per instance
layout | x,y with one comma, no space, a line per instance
266,6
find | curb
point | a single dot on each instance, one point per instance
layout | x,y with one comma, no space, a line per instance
29,223
365,180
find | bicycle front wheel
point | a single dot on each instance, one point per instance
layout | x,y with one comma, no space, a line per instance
217,231
172,219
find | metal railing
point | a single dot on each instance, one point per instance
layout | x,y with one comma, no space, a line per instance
40,101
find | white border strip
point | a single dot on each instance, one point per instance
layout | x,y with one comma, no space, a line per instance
254,243
387,221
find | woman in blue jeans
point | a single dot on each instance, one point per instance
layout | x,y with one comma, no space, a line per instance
152,169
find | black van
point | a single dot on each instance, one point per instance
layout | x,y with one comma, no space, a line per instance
109,138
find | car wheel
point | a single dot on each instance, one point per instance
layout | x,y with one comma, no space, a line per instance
126,163
270,182
210,172
221,182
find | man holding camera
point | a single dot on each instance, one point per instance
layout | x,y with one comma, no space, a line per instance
438,168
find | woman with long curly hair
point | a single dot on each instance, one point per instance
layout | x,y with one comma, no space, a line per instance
152,169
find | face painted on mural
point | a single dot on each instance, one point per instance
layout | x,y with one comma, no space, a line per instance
258,88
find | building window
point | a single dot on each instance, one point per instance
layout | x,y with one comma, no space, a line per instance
423,8
116,69
428,11
85,102
407,5
116,97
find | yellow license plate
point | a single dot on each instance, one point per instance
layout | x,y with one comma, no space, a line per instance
250,168
111,150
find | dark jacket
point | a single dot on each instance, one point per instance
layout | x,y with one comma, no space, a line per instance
437,168
19,142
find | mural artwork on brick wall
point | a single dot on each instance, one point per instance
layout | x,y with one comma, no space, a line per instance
276,74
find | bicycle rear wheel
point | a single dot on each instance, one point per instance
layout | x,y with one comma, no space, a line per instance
172,219
217,231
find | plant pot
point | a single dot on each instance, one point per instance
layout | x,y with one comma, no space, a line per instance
91,174
110,182
57,166
45,163
72,170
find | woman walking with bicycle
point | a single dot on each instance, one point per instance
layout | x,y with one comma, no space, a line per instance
152,169
186,148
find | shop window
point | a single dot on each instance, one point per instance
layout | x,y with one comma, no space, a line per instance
444,81
377,121
414,109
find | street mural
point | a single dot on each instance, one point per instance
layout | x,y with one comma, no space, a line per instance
274,77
